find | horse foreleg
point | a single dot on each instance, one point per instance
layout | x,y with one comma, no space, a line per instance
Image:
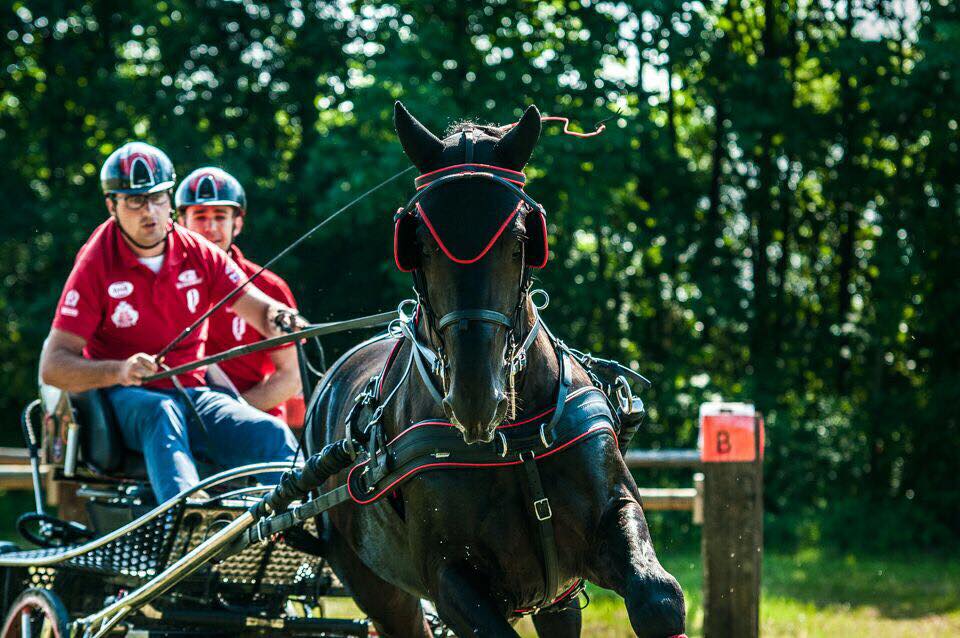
626,563
558,624
394,612
468,610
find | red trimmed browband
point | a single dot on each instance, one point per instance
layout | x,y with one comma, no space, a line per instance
516,177
486,249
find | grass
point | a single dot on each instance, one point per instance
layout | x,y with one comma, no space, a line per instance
808,594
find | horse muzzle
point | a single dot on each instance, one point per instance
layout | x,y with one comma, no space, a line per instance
477,418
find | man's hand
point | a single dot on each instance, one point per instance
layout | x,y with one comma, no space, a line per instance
286,320
134,369
269,317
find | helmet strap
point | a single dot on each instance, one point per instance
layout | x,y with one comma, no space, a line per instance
134,241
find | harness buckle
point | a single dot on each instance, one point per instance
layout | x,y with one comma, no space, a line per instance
518,362
260,536
624,394
542,509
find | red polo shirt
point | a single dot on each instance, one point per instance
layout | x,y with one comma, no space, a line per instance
227,330
120,307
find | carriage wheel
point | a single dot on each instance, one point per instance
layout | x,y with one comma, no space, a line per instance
36,613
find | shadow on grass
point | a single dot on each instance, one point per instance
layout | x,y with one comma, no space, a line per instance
898,587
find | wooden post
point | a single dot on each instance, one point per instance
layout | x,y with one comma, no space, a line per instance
731,446
698,499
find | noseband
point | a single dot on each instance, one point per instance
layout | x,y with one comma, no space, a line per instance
405,221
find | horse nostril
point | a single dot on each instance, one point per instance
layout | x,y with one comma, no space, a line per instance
447,408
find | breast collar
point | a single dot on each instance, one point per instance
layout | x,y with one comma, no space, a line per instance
433,445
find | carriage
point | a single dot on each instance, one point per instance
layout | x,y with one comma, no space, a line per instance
121,538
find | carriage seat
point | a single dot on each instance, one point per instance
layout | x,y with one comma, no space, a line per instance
102,447
101,443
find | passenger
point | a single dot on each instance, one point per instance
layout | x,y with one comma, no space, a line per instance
136,284
212,202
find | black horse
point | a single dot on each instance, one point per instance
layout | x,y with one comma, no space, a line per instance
474,356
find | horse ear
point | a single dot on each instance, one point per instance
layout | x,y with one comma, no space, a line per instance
514,149
419,144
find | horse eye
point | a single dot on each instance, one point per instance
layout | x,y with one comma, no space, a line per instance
428,249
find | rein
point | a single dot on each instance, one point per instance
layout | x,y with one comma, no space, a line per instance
316,330
189,329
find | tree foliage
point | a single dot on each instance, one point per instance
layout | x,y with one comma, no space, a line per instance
771,215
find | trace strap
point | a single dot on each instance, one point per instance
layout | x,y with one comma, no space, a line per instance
316,330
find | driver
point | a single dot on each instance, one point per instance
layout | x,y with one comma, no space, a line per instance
212,202
136,284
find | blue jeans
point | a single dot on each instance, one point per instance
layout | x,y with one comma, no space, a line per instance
157,424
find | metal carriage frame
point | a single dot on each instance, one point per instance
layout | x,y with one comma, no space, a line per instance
268,588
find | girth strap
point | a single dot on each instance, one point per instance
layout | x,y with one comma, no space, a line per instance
543,513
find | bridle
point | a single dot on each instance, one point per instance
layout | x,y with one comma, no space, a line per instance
435,360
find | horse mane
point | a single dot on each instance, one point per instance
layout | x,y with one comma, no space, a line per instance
491,130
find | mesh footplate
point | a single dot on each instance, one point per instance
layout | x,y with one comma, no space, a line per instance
141,553
147,550
268,564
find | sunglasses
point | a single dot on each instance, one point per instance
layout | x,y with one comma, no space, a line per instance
136,202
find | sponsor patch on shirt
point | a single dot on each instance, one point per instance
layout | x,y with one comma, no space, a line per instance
70,301
125,315
120,289
232,274
193,300
239,328
188,278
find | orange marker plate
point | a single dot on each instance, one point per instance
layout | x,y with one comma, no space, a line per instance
727,437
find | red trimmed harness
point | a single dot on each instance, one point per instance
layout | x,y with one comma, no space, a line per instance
407,217
434,445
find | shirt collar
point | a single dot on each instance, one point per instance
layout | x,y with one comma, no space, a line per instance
174,250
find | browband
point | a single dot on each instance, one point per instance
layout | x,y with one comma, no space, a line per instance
515,177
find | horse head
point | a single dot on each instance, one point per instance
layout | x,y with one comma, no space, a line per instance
470,237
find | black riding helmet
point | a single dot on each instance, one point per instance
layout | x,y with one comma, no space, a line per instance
137,168
210,186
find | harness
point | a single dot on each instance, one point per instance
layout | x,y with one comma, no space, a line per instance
535,254
436,445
